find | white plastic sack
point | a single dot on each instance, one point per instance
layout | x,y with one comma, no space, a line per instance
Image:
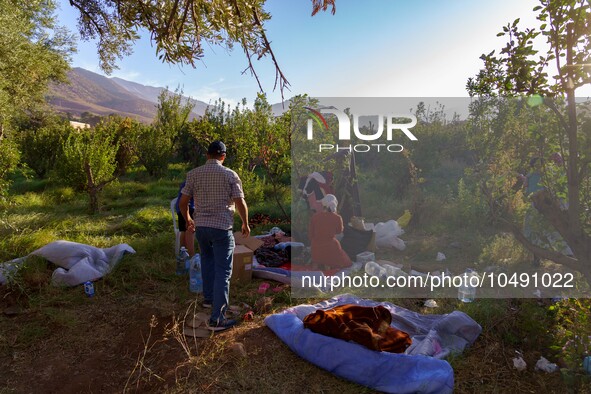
80,272
77,262
387,235
66,254
519,364
398,243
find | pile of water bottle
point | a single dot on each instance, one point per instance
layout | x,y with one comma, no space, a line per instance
192,265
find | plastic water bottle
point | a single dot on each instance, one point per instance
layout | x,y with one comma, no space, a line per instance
391,270
467,290
89,288
195,277
181,261
374,269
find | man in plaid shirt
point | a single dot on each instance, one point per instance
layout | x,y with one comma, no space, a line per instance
217,192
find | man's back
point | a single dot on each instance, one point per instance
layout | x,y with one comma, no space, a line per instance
214,187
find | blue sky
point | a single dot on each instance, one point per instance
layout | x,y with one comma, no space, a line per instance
372,48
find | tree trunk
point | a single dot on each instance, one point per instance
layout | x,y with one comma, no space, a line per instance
94,206
573,234
94,189
91,188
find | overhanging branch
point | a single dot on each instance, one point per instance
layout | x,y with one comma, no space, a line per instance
547,254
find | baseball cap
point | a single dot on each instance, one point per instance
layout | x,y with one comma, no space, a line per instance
216,148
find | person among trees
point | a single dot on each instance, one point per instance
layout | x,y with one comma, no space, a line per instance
217,192
533,180
323,228
187,239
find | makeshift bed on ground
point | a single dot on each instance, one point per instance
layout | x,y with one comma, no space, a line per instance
286,273
272,259
77,262
421,369
280,259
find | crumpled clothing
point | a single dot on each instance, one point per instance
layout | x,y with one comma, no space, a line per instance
368,326
270,257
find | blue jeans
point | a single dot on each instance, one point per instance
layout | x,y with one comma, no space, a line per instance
217,247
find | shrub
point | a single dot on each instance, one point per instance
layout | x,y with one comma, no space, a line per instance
41,147
123,131
572,332
9,158
471,204
88,161
153,147
503,250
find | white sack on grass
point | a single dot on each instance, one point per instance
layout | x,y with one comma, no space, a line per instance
387,235
77,262
66,254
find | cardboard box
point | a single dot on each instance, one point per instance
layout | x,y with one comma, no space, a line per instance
243,254
242,265
251,243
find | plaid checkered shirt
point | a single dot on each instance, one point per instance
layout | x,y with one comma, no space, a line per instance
213,187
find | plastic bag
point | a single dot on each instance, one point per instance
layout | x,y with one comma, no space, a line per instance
387,235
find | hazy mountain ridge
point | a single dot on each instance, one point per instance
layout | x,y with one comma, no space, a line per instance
97,94
151,94
100,95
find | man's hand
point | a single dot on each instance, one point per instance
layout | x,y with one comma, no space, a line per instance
245,230
191,225
184,208
243,212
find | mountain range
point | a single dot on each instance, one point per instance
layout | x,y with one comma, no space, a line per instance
99,95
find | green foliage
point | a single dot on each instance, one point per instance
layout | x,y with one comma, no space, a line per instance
89,161
503,250
153,148
508,133
470,205
89,118
124,131
572,331
9,158
522,69
43,146
179,30
154,145
257,143
172,114
62,194
34,52
94,147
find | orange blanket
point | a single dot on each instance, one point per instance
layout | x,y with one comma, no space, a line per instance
368,326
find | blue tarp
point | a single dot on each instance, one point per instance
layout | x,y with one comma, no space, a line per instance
420,370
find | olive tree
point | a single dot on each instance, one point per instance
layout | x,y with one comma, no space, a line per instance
181,29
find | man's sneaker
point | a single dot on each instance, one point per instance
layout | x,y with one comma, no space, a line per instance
221,325
207,304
